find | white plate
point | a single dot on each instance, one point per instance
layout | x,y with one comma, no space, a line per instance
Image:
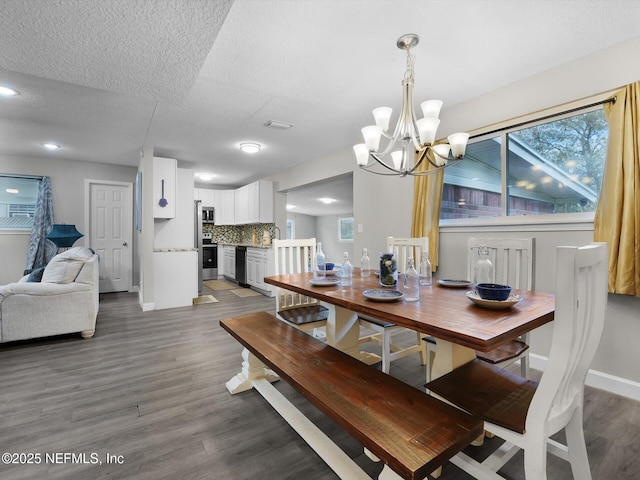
454,283
496,304
324,282
383,295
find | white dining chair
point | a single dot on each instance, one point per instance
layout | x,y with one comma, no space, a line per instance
525,413
513,262
306,313
402,248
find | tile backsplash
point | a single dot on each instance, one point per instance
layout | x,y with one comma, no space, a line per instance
238,233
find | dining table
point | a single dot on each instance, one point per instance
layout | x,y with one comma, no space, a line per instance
444,311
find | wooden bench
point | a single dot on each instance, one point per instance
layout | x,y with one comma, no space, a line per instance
411,432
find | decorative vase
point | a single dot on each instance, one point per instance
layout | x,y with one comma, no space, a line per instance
388,270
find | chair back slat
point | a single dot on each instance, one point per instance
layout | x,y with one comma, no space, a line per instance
512,259
581,300
293,256
403,248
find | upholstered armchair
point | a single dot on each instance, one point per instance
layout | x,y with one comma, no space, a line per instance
64,300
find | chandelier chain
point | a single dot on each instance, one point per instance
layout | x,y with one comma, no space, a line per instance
410,63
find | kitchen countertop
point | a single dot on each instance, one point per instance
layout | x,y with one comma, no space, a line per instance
250,245
175,249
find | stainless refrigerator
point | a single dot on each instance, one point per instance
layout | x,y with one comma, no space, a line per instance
197,235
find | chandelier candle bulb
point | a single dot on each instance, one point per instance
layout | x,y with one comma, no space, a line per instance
458,142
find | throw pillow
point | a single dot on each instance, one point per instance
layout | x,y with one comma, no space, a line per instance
36,275
62,270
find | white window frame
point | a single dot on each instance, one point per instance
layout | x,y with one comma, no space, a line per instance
340,239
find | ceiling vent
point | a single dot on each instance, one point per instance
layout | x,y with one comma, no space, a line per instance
279,125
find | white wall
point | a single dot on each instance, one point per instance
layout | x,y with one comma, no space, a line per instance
327,233
304,225
383,204
67,183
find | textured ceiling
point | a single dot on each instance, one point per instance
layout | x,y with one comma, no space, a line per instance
194,78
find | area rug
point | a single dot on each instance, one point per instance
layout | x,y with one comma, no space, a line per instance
245,292
219,285
205,299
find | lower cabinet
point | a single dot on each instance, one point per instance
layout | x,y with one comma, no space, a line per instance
229,262
260,265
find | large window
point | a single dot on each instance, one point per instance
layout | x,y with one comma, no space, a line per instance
549,168
18,197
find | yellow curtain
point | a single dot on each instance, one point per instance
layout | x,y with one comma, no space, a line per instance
617,218
427,199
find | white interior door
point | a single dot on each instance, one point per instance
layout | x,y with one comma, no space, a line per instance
111,232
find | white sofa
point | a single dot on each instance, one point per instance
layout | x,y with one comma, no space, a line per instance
64,301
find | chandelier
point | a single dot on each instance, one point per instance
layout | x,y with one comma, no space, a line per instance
415,138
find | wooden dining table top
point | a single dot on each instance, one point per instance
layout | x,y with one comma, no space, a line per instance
442,312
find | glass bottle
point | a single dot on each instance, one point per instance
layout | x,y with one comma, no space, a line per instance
425,270
346,272
320,273
483,269
388,270
365,264
411,282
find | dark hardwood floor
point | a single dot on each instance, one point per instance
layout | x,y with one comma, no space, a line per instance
148,390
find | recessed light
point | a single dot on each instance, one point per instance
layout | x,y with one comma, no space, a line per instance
327,201
205,176
290,207
8,91
12,190
51,146
249,147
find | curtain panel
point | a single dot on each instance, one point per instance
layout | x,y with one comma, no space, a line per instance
427,200
617,217
41,250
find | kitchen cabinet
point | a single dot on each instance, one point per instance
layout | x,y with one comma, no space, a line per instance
224,203
229,262
260,265
164,187
206,196
254,203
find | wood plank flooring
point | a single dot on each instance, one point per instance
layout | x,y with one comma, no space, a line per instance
148,390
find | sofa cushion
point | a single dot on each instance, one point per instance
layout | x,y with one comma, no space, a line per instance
64,268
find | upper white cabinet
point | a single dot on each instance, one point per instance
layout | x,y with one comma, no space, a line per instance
224,203
254,203
207,197
164,187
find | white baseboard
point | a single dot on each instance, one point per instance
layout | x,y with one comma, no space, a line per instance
146,307
603,381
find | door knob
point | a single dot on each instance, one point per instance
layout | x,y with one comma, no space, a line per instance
124,244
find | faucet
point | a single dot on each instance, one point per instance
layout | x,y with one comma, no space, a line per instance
277,231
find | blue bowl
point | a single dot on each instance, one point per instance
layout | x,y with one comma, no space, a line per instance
329,266
493,291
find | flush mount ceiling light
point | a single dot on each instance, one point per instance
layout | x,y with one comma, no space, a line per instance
415,137
205,176
12,190
8,91
250,147
51,146
327,201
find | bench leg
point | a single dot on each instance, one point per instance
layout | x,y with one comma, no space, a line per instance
252,369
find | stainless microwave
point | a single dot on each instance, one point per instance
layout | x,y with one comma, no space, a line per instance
208,215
